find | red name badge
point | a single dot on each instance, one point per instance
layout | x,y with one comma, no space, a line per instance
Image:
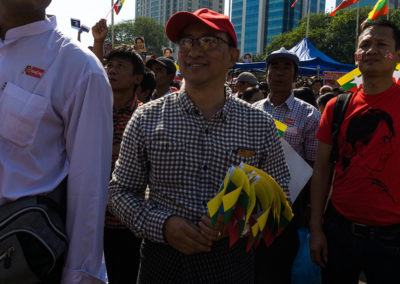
288,121
33,71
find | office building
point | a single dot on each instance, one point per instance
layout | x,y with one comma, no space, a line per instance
257,22
364,3
162,10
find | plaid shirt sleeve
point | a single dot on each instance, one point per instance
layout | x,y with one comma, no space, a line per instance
128,185
310,141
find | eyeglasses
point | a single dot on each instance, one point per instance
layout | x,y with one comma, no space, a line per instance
205,42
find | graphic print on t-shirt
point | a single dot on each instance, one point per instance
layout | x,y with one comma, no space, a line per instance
367,147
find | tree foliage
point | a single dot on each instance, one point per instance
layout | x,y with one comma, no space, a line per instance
335,36
153,33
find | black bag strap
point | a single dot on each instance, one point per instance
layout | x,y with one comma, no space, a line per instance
56,199
339,112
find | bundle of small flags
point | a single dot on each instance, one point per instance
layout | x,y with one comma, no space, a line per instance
250,199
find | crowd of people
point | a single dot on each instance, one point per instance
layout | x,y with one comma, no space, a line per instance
139,152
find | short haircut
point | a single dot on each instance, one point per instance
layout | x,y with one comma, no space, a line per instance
149,81
167,48
128,52
305,94
250,92
383,23
325,98
139,37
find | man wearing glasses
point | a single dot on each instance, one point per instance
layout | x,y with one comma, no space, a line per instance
181,146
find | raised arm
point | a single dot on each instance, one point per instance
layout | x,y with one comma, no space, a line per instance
99,32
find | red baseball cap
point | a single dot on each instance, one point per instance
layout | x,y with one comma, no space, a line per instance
214,20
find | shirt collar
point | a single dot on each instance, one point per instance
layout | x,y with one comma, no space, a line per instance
129,107
289,102
188,106
29,30
153,95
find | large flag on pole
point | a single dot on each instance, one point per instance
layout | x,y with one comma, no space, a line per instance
380,9
344,4
118,6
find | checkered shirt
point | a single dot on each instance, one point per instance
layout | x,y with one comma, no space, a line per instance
302,120
183,158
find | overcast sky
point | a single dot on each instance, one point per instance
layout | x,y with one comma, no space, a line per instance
90,11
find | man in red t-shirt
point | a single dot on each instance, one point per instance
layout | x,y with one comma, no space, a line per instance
361,227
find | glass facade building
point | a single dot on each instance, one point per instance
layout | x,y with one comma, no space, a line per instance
257,22
363,3
162,10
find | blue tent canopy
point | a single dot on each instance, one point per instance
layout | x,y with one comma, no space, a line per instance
312,61
255,66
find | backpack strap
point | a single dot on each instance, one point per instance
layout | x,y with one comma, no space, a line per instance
339,111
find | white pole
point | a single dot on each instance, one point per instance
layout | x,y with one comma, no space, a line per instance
308,16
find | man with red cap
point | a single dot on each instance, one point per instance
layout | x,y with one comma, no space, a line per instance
181,147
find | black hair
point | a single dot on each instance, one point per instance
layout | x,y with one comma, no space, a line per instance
263,86
361,129
381,22
325,98
317,81
139,37
249,93
148,83
305,94
167,48
128,52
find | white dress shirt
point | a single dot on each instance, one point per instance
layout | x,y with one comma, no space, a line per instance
56,120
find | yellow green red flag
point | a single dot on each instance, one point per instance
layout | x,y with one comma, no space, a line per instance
281,127
353,80
380,9
118,6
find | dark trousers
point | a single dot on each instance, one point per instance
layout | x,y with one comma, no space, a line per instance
353,248
122,255
160,263
273,264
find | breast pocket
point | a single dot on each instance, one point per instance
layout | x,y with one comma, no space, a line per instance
167,161
21,113
237,156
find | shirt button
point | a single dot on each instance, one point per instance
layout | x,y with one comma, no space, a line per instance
206,131
205,167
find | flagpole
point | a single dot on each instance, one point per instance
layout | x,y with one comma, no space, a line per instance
387,15
357,21
308,17
112,23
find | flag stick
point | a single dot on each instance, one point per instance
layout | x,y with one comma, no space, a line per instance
112,23
357,21
108,13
